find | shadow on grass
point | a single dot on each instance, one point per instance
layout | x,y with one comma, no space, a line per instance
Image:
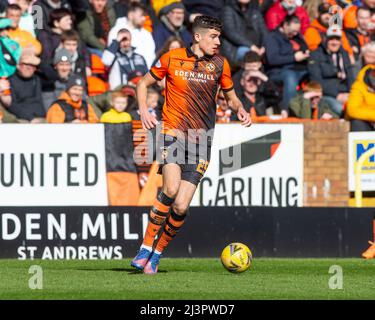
128,270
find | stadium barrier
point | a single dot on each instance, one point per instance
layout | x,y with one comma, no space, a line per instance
282,165
116,232
358,173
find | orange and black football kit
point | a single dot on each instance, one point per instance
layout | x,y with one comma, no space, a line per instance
189,111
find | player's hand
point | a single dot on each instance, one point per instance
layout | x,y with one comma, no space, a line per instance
244,117
149,120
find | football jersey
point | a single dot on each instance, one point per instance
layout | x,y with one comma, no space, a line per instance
191,87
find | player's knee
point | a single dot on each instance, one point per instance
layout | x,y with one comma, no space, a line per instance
170,191
180,208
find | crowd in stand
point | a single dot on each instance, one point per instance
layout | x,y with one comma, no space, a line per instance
79,61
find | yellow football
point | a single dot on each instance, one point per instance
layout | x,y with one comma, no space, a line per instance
236,257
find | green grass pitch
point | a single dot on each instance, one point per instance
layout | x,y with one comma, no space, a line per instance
189,279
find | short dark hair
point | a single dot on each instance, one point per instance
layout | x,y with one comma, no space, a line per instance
137,6
251,57
58,14
14,7
362,8
70,35
291,19
207,22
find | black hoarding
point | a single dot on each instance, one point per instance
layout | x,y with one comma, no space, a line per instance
116,232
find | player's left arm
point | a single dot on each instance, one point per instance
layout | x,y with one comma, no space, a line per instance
237,106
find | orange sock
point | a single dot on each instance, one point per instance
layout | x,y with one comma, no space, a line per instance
172,226
158,214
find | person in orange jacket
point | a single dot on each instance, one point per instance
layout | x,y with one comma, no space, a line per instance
317,32
24,38
70,107
350,14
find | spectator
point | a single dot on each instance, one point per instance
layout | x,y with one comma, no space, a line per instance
101,103
122,59
24,38
311,7
317,32
330,66
3,5
171,24
153,103
243,30
252,100
223,112
283,8
170,44
350,14
47,6
268,89
81,61
251,61
117,113
142,39
197,7
10,50
361,103
61,20
25,100
70,107
287,55
360,36
309,104
52,88
367,57
95,28
27,20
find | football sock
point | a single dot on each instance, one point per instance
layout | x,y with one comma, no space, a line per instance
158,214
172,226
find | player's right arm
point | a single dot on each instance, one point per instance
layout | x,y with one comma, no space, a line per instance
157,73
148,120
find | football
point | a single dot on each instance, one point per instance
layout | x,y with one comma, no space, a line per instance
236,257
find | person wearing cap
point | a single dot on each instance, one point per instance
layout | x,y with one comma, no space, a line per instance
360,36
309,104
24,38
360,108
71,107
25,99
53,86
10,50
171,24
316,33
122,59
330,65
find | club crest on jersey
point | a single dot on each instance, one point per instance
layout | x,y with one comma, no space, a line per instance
210,67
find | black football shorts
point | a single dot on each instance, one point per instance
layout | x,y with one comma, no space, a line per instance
192,158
